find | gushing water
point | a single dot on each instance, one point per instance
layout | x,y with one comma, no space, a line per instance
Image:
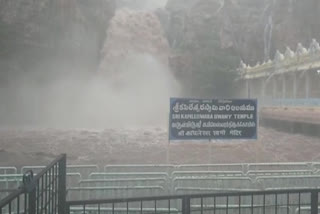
268,36
131,88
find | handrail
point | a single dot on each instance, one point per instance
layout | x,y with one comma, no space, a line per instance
11,197
40,174
30,187
191,196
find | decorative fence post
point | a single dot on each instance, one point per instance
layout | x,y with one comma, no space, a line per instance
314,201
186,205
62,185
30,189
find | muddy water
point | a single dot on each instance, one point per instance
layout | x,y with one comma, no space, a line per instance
146,146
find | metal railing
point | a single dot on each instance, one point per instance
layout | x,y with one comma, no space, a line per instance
271,202
86,171
46,193
43,193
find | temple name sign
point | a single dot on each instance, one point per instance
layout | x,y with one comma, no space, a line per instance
209,119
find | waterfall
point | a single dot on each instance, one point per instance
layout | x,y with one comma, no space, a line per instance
222,2
268,32
268,37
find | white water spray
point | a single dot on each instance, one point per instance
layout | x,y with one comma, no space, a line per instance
268,30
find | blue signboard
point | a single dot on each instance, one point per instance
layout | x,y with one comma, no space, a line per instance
206,119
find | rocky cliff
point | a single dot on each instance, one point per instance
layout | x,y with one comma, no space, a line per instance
255,29
33,31
207,38
219,33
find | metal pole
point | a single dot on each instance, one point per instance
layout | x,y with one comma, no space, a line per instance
32,201
62,185
68,209
210,149
168,145
314,202
186,205
168,153
30,192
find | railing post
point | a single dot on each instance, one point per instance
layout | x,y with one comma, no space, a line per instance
62,185
314,202
30,191
67,208
32,201
185,205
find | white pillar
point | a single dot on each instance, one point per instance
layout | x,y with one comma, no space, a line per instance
294,85
307,84
263,89
274,92
248,89
283,87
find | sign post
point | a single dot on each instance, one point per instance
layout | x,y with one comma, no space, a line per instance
206,119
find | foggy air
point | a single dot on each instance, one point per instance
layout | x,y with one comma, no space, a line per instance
139,98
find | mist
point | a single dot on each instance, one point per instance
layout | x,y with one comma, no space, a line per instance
129,90
137,95
142,4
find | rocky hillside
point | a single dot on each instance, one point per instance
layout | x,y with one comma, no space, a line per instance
133,33
207,38
34,31
253,28
218,33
